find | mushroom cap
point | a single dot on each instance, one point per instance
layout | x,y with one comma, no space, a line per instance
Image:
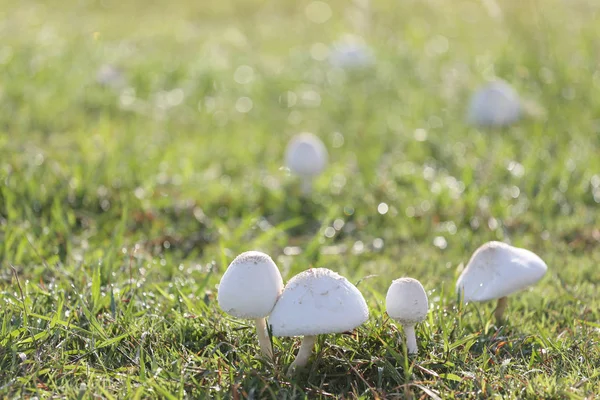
318,301
496,270
496,104
352,53
251,286
109,75
306,155
406,301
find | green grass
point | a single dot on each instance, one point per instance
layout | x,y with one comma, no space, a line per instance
119,214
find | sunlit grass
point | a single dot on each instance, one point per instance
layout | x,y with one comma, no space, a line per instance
121,205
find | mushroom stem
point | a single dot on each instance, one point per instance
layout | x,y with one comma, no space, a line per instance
411,339
499,312
263,338
306,185
308,342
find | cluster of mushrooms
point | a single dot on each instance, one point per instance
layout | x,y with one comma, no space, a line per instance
319,301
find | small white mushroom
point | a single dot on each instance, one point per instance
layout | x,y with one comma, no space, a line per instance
351,53
111,76
497,270
406,302
306,156
249,289
314,302
496,104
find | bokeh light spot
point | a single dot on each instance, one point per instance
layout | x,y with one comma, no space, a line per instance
318,12
244,74
243,104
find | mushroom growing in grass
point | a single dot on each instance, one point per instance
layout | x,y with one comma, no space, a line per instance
496,104
315,302
110,76
306,156
497,270
406,302
351,53
249,289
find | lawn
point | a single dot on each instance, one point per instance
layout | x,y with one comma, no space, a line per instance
122,204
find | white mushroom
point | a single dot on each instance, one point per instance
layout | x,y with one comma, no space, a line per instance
496,104
111,76
249,289
306,156
497,270
406,302
351,53
314,302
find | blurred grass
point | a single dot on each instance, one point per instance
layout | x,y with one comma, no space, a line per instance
120,207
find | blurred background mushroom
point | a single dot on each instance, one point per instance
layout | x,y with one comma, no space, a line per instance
496,104
306,156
